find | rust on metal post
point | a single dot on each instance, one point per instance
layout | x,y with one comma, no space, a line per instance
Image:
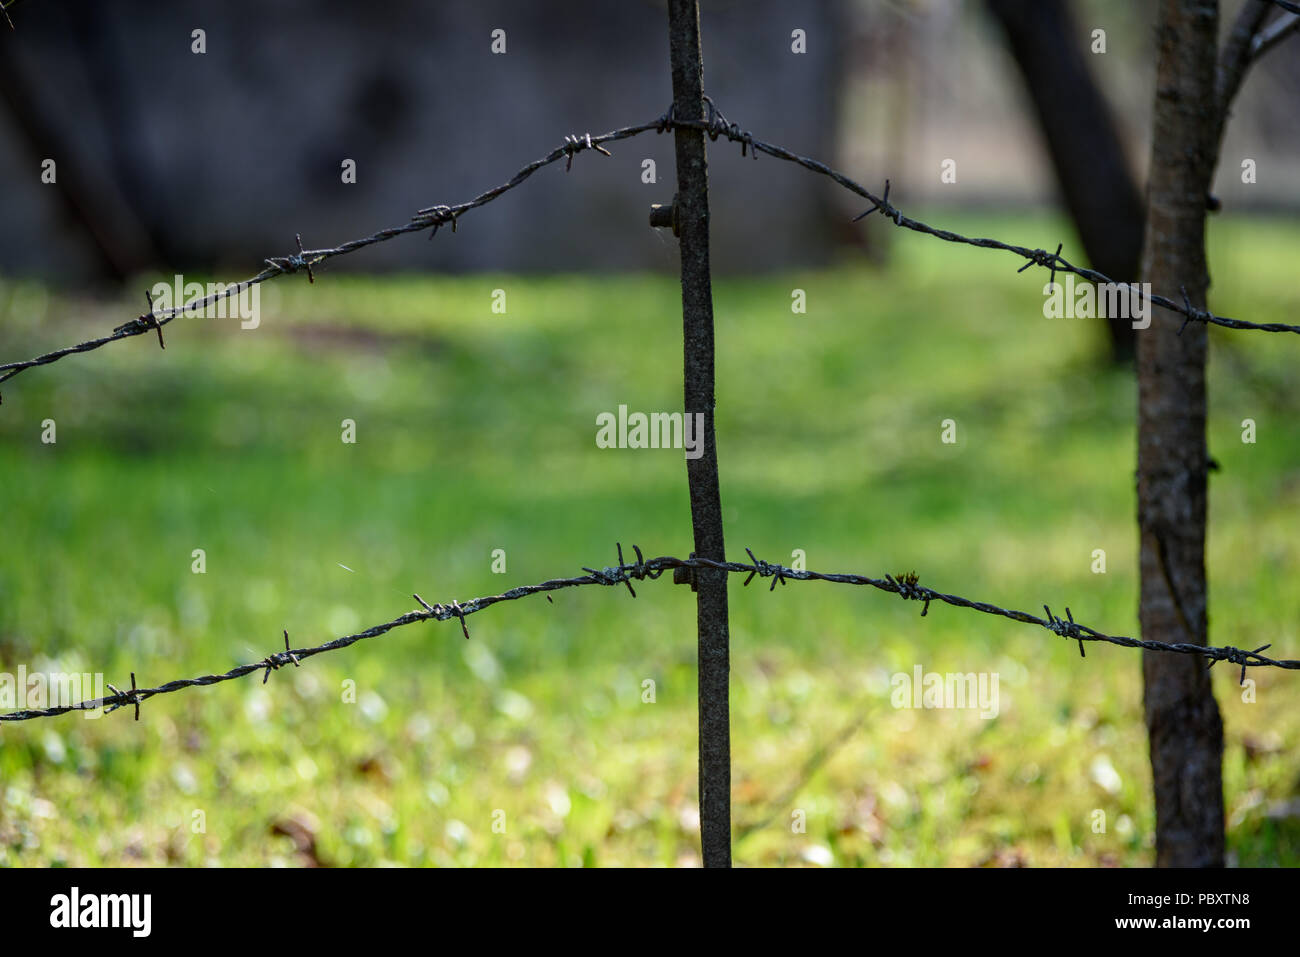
692,221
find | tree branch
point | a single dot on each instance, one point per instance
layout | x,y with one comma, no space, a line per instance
1273,34
1237,55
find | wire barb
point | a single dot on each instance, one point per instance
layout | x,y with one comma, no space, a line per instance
124,698
1192,313
766,570
273,661
883,206
141,323
718,125
1041,257
440,612
906,584
576,144
283,265
436,216
1065,628
1238,657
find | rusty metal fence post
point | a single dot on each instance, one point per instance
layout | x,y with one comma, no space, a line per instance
692,227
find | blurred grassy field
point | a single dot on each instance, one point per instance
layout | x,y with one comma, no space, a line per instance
476,431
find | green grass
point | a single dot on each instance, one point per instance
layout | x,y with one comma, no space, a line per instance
476,431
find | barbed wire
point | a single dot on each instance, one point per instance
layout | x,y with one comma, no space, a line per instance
624,573
4,8
715,125
433,217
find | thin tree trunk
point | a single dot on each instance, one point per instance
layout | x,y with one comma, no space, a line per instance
1183,724
119,238
702,472
1082,139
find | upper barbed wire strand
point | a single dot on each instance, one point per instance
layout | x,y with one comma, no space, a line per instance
714,124
304,259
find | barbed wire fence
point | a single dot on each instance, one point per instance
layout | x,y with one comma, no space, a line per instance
906,585
713,123
717,125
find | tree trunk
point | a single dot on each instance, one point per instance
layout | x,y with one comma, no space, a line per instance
1082,140
1183,723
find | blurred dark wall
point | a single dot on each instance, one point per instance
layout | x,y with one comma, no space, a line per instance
175,160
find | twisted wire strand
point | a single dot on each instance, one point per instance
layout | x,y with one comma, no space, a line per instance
432,217
624,573
715,124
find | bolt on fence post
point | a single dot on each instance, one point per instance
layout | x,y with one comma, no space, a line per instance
690,219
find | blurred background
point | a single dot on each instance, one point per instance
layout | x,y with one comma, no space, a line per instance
475,432
170,158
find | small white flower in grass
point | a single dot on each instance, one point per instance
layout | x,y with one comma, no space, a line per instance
419,726
818,854
359,836
518,761
514,705
558,798
373,706
894,795
257,706
1104,775
457,832
184,777
799,684
307,684
482,662
52,743
437,793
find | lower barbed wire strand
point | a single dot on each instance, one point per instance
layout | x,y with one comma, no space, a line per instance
905,586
